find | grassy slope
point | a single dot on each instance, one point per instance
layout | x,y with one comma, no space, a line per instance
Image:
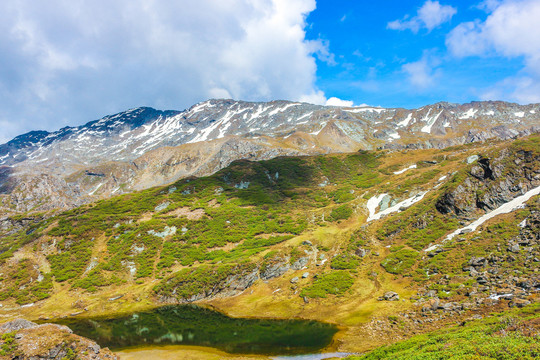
273,217
512,335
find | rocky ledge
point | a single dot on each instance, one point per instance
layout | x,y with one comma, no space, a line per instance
23,339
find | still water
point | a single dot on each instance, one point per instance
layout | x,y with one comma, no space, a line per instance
192,325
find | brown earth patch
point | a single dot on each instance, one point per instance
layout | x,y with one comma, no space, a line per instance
196,214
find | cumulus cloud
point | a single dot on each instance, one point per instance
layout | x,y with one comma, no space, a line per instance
334,101
67,62
429,16
422,73
509,31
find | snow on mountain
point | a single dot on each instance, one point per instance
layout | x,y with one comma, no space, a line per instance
145,147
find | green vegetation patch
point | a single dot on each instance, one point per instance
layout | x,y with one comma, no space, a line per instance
512,336
400,260
8,346
345,261
24,284
342,212
331,283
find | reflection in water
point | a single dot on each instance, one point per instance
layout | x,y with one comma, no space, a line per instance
192,325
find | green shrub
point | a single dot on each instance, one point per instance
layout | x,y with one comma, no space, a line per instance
345,261
496,337
8,345
331,283
341,213
400,261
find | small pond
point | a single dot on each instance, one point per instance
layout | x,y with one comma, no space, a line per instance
193,325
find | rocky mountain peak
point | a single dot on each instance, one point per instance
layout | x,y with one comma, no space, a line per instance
145,147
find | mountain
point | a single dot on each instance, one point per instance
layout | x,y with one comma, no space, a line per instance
144,147
384,243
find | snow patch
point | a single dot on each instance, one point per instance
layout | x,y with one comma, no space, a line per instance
519,114
96,189
468,114
373,203
318,131
282,109
431,121
400,205
497,297
405,121
413,166
432,248
303,117
370,109
394,136
203,135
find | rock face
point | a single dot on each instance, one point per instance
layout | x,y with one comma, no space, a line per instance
491,183
144,147
23,339
235,284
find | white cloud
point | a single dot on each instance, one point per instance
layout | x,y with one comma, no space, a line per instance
429,16
66,62
315,97
422,73
510,30
334,101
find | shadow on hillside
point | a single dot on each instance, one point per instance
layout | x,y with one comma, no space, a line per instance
7,182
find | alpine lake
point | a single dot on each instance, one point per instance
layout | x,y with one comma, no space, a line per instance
198,326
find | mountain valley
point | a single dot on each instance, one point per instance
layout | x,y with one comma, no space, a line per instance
384,222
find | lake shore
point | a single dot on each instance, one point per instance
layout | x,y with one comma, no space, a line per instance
181,352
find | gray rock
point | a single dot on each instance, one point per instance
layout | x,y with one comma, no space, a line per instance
514,248
305,275
385,203
361,252
275,269
391,296
300,263
162,206
294,280
477,261
16,325
472,159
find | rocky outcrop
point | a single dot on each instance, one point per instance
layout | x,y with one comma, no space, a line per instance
23,339
279,265
238,279
490,182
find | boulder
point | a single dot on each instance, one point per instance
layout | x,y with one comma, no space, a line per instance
390,296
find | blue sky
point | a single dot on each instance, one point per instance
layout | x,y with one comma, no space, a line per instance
66,62
370,59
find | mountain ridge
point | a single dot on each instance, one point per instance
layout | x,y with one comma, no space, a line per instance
144,147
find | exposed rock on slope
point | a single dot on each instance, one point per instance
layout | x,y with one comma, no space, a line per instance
22,339
492,182
144,147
